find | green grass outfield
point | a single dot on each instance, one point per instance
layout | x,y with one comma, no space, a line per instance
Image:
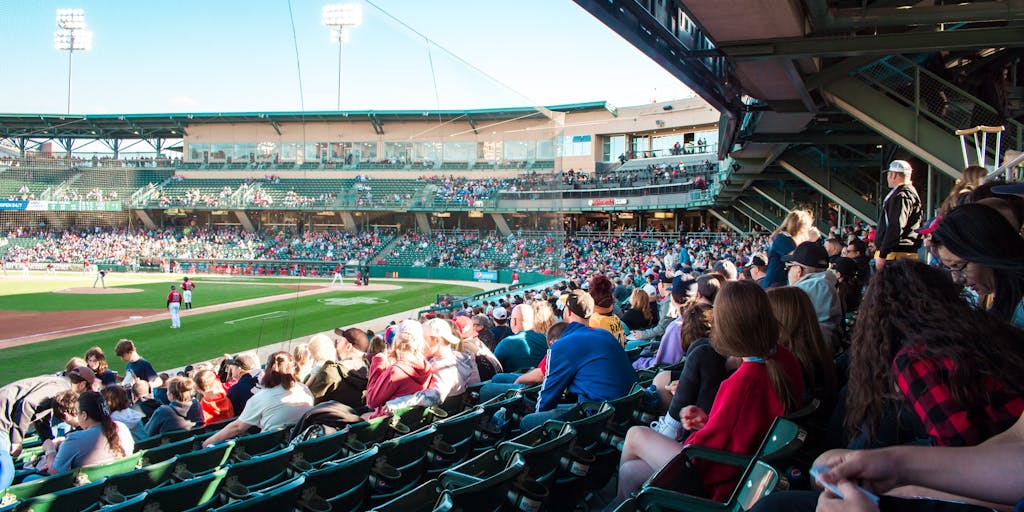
208,335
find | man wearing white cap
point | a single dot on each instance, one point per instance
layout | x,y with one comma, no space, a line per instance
896,237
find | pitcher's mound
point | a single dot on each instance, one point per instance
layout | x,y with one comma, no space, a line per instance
99,291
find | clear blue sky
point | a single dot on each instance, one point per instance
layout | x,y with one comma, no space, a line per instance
239,56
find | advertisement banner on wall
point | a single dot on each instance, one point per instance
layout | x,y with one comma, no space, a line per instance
61,206
484,275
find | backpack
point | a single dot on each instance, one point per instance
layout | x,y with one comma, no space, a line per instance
323,419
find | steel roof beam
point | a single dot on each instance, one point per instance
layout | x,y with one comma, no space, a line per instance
876,44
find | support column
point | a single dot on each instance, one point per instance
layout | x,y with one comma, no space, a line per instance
246,222
501,224
423,223
761,217
774,196
819,180
349,221
146,219
725,220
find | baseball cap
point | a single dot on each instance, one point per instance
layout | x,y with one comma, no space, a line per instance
901,166
464,324
83,373
684,286
356,337
439,328
929,226
244,361
650,289
757,261
845,266
1017,189
499,313
808,254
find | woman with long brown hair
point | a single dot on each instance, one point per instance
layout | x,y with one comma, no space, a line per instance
800,333
100,440
282,401
767,384
969,179
796,228
919,342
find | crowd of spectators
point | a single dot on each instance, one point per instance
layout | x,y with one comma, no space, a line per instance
127,246
731,347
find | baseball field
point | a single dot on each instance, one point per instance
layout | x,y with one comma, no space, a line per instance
48,319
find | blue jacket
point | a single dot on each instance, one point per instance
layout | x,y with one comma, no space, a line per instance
588,362
775,274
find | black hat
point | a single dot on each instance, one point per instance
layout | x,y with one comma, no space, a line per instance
845,266
808,254
757,261
684,286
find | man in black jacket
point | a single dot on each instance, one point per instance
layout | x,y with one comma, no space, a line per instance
896,237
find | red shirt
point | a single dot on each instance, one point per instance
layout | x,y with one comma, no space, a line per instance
188,285
743,411
174,296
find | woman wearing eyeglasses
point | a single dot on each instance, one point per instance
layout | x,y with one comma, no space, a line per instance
986,254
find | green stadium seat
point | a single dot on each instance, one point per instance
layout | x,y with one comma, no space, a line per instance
45,485
457,433
254,445
425,498
542,448
589,420
257,473
202,461
168,451
406,454
76,498
279,498
191,494
324,448
758,481
135,482
130,505
162,439
485,482
487,437
344,483
98,472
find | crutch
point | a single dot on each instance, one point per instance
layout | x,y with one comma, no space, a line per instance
980,148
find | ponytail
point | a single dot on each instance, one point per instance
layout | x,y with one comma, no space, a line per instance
783,387
95,407
281,371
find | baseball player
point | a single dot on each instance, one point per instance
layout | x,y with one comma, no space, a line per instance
338,277
174,306
100,277
24,269
186,292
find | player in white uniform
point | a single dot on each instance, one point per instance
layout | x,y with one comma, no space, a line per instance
174,306
338,276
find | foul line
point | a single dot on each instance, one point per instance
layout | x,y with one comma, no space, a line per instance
257,316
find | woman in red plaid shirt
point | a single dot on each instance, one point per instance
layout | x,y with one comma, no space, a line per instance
918,340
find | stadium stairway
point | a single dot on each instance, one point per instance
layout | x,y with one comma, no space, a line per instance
885,94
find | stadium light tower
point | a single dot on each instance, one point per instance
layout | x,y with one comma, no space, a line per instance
339,17
71,35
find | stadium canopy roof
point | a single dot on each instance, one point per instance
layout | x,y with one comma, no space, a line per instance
171,126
